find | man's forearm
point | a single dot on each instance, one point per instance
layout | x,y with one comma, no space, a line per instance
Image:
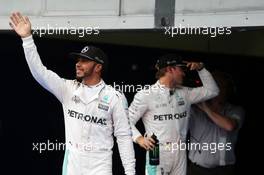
221,121
127,154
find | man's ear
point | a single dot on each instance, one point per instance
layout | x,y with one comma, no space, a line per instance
98,67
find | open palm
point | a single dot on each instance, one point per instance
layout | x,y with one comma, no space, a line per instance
20,24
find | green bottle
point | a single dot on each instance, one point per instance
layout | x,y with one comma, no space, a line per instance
154,153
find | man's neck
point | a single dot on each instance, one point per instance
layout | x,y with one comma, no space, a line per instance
166,81
91,81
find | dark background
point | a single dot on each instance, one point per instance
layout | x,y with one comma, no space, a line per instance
30,114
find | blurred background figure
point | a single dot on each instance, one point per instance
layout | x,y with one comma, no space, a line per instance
215,123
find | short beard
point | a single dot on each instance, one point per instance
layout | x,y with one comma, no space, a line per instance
88,73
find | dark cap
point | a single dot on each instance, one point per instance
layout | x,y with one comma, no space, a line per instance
169,60
92,53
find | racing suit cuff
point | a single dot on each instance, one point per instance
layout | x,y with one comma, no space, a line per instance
135,137
203,71
28,41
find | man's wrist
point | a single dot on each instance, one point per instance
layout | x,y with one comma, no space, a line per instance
138,139
201,66
27,38
26,35
28,41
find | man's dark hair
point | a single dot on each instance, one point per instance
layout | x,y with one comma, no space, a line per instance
160,73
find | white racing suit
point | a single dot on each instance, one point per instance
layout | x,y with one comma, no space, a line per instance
166,114
92,115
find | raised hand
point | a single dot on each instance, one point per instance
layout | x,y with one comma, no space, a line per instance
20,24
194,65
